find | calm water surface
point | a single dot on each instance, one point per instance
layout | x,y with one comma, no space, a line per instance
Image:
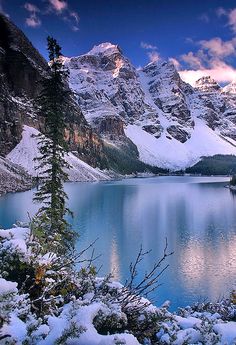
196,214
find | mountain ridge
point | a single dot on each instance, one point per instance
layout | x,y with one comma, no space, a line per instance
114,95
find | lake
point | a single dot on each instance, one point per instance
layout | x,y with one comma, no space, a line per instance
197,215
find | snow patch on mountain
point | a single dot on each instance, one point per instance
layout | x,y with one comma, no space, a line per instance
170,153
104,48
27,149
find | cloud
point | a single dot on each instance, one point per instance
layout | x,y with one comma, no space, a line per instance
175,62
58,5
192,60
62,9
152,53
147,46
74,28
219,71
220,11
31,8
33,20
232,19
153,56
217,47
204,18
74,15
72,19
230,14
211,59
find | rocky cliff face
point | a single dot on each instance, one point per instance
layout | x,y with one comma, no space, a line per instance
107,87
21,70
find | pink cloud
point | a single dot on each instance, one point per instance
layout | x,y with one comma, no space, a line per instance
31,8
230,14
75,16
217,47
232,19
153,56
58,5
192,60
219,70
220,11
33,21
175,62
145,45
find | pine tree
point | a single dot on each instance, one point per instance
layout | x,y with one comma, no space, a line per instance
53,101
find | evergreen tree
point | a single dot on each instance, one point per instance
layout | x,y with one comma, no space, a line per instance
53,102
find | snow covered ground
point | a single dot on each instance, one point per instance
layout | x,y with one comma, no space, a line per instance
75,322
25,152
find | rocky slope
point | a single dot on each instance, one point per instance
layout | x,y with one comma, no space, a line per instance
12,177
28,148
171,123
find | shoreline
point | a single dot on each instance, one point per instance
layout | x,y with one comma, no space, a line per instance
20,189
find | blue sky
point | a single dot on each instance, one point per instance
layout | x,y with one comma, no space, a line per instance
198,36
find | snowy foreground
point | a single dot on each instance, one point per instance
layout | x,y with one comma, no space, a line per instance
91,310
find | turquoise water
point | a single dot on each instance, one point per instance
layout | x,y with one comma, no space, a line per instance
197,215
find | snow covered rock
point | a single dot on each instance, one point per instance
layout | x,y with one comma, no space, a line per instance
13,178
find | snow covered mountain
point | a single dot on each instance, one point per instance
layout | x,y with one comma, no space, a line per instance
125,117
171,123
28,148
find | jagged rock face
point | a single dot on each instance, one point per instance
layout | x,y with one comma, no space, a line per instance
22,69
107,86
111,127
166,89
207,84
178,133
169,93
216,105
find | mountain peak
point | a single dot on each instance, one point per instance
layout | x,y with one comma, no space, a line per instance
207,84
106,48
230,88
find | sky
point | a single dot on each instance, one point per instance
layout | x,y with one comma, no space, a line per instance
198,36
